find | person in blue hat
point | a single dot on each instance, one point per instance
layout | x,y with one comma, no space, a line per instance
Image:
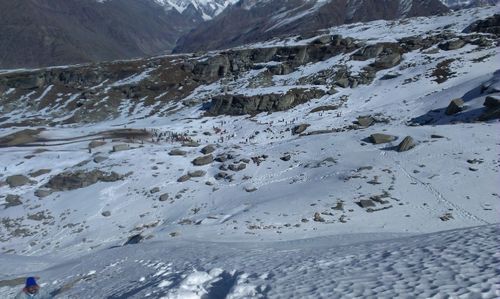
33,291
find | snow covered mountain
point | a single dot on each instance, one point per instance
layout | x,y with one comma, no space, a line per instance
253,20
206,9
358,161
458,4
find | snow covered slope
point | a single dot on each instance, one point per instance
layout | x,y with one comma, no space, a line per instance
256,172
459,263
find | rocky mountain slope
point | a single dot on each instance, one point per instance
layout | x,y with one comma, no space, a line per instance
293,154
43,33
251,21
459,4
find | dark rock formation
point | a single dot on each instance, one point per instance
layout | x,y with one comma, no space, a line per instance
241,104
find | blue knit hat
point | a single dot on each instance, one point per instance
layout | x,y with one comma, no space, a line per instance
30,282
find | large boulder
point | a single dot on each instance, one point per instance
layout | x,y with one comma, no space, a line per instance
407,144
120,147
452,45
300,129
492,101
379,138
455,107
388,61
208,149
17,180
203,160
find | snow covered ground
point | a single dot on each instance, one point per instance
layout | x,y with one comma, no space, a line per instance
290,224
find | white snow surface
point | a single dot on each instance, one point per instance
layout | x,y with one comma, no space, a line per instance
255,236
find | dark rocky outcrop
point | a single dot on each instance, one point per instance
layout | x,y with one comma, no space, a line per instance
80,179
488,25
241,104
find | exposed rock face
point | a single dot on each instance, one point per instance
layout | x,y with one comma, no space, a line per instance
455,107
379,138
407,144
80,179
241,105
17,180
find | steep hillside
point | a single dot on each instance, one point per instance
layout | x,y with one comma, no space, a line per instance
44,33
250,21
